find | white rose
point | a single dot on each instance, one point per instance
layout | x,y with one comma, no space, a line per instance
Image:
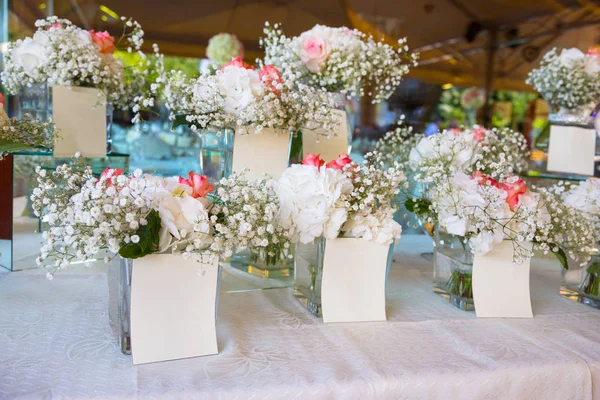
308,198
424,149
30,55
568,57
484,242
592,65
82,37
334,224
239,87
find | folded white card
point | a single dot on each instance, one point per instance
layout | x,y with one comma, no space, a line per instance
80,117
501,288
173,307
263,153
353,285
316,141
572,149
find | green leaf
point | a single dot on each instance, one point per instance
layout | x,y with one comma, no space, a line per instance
418,206
410,205
180,120
149,239
562,257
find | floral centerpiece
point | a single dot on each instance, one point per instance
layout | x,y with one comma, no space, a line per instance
60,53
240,96
467,190
339,203
239,100
160,223
582,282
223,47
339,60
569,80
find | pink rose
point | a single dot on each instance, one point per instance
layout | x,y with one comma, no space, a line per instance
104,41
237,62
313,159
2,101
107,172
270,77
314,50
484,179
479,134
340,162
514,191
199,184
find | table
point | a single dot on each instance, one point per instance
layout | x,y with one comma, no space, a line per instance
55,342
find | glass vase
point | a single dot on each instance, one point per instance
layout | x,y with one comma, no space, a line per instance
36,100
582,283
216,153
582,117
261,264
308,273
453,270
119,300
346,105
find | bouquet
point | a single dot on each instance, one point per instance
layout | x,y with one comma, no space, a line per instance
569,80
584,197
238,95
224,47
340,199
137,215
60,53
469,190
485,211
339,60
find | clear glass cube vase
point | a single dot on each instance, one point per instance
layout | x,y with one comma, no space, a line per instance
119,300
308,273
36,101
581,283
453,270
216,152
264,264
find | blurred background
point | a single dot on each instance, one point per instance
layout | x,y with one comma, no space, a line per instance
475,56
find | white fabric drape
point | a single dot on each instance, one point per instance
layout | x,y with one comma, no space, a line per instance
55,342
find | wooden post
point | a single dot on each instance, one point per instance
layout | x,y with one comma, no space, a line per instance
489,74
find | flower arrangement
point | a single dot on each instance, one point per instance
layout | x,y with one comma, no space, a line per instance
584,197
239,95
60,53
568,80
470,192
396,145
339,60
486,212
494,152
340,199
223,47
139,214
25,134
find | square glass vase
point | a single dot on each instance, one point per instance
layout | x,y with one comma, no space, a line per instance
260,264
119,300
453,270
581,283
308,273
36,101
216,152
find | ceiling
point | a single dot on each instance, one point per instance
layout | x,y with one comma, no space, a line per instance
518,31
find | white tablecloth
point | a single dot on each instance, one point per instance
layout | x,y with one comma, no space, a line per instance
55,342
